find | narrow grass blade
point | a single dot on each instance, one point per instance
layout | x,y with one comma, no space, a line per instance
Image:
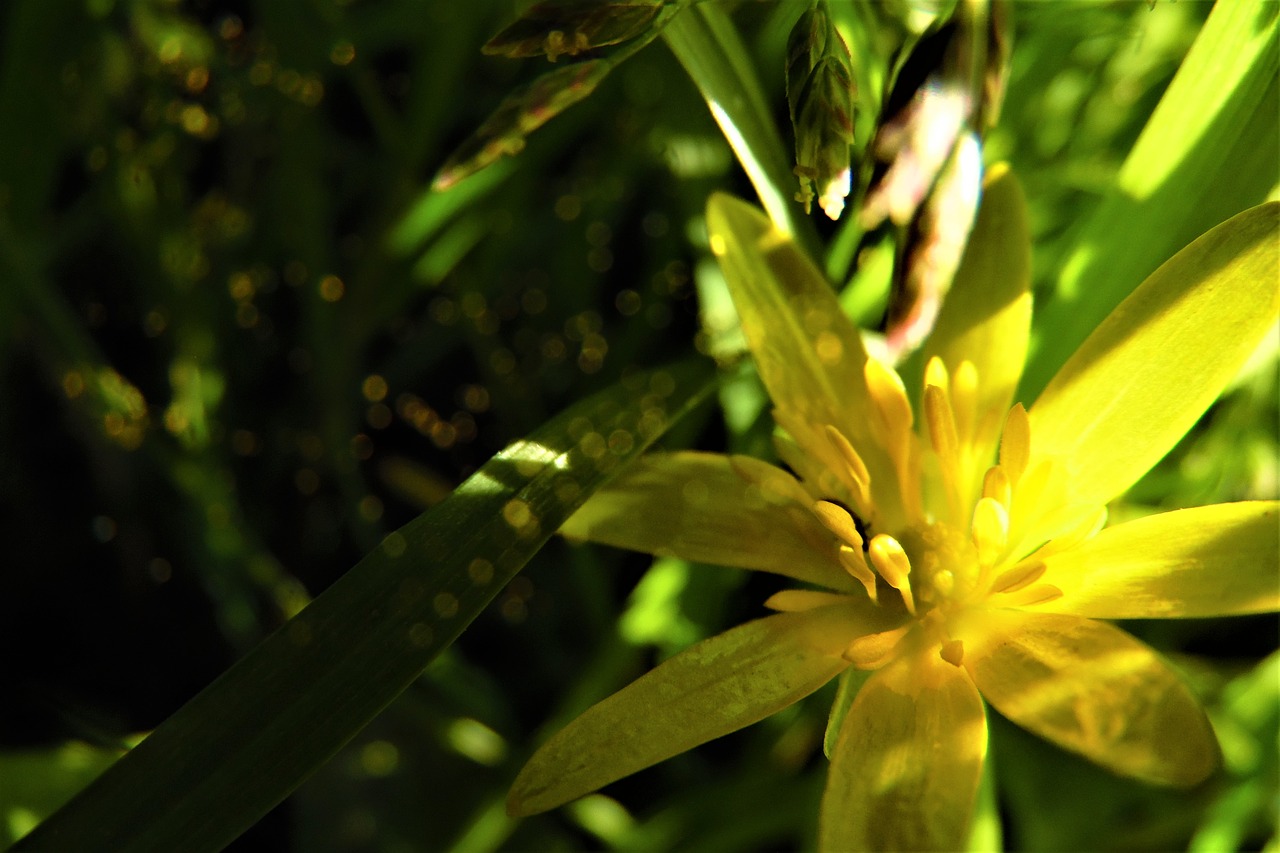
1208,152
250,738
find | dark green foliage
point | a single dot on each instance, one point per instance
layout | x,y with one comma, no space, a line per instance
243,340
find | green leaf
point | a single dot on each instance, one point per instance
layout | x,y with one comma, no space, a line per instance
985,831
34,782
1208,152
250,738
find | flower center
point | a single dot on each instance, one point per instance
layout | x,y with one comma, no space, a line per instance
946,545
944,564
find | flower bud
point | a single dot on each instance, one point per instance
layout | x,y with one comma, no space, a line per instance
521,113
556,28
820,91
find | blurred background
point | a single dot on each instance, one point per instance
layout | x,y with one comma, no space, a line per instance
241,340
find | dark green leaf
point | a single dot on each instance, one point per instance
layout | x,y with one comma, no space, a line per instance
250,738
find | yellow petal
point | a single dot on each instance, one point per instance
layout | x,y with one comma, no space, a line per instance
987,318
716,687
1218,560
1090,688
809,354
699,506
1156,363
905,768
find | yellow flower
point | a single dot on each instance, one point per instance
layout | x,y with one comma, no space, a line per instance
960,550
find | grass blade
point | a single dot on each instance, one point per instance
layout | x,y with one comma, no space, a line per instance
250,738
1207,153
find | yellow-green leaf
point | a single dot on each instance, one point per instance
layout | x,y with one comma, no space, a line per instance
697,507
987,317
1220,560
906,766
808,353
718,686
1091,688
1156,363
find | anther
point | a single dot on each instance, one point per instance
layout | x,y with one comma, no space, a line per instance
1039,594
990,530
942,425
839,521
856,467
874,650
890,398
1019,577
797,600
995,485
894,566
935,373
952,652
855,563
892,428
964,399
1015,443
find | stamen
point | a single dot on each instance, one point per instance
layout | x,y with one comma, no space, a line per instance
894,566
942,426
1085,523
815,472
1019,577
935,373
857,468
964,399
1039,594
990,530
838,520
952,652
874,650
855,563
890,397
892,428
995,485
946,444
1015,443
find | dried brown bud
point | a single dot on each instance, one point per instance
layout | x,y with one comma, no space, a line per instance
934,249
946,93
952,82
